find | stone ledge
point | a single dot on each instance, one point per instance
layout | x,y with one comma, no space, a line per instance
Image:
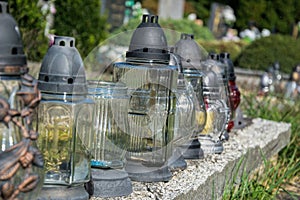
206,178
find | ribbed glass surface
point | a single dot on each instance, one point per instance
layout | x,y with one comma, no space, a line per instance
215,100
111,137
194,79
152,108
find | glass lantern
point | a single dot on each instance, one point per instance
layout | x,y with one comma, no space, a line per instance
64,121
187,106
151,83
191,55
21,163
222,70
111,124
234,93
110,139
216,100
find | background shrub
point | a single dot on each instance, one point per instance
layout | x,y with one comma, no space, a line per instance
31,23
218,46
187,26
81,20
263,52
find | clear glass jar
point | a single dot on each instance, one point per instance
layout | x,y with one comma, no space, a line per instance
111,136
152,109
216,92
185,117
216,107
65,127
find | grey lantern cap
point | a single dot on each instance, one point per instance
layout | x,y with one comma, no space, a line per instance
223,67
213,56
225,58
62,70
149,41
190,52
12,58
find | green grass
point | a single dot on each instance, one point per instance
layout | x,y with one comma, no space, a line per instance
277,177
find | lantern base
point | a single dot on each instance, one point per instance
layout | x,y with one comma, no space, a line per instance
63,193
192,150
111,182
138,172
177,162
210,146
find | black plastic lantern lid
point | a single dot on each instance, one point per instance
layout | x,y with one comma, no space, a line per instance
62,70
214,56
225,58
149,41
12,58
189,51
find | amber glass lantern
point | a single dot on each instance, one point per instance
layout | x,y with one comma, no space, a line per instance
64,121
151,83
21,164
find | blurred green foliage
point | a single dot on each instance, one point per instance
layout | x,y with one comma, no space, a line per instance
218,46
75,18
276,15
31,23
188,26
201,8
263,52
81,20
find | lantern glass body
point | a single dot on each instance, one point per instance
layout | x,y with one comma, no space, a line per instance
152,108
216,107
65,125
111,136
194,78
221,71
10,135
185,117
216,92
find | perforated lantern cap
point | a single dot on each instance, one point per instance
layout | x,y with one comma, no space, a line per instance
62,70
225,58
190,52
149,41
12,58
